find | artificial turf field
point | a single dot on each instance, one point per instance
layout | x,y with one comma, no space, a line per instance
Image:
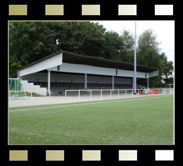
132,121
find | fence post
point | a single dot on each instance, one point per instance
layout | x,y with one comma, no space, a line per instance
65,95
90,94
49,95
118,93
132,92
31,98
79,94
101,94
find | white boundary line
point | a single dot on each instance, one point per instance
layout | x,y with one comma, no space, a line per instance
114,100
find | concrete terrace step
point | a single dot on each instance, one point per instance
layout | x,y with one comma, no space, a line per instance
33,88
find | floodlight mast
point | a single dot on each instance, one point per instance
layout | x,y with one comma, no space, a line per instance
135,79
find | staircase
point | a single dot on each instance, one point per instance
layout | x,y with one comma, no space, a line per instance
33,88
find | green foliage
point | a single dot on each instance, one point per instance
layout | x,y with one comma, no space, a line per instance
168,80
148,55
113,45
127,54
28,42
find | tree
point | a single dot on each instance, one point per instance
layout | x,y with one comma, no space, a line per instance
31,41
28,42
148,49
80,37
167,69
127,54
113,46
167,66
147,54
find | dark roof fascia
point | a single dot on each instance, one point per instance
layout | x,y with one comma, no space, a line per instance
108,60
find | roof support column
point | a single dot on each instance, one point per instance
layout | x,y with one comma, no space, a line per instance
85,80
49,76
135,64
112,82
147,82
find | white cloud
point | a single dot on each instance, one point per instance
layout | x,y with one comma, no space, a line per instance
164,31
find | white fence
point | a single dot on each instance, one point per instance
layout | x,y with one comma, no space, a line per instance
28,98
104,94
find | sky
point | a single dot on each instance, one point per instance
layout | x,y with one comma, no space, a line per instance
164,31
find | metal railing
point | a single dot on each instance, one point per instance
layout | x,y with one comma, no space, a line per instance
30,97
90,94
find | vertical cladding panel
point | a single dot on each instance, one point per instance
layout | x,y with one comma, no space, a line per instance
76,68
128,73
42,65
154,73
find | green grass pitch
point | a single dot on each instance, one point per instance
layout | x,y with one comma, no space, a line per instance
134,121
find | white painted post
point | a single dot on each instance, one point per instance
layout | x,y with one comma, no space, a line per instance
79,94
132,92
147,83
31,98
15,94
112,82
65,95
135,63
85,80
49,95
15,84
49,73
90,94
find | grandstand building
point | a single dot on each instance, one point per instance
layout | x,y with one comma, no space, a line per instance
65,70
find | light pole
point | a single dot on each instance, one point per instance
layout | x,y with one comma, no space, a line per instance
135,79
